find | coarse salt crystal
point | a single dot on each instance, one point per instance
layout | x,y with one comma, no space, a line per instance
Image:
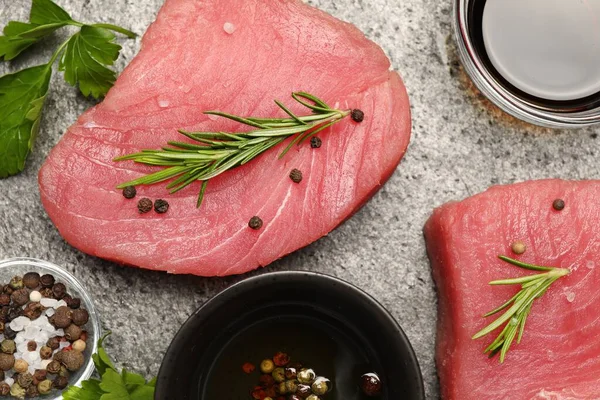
163,103
49,303
570,297
9,381
45,363
62,345
50,312
229,27
59,332
61,303
19,323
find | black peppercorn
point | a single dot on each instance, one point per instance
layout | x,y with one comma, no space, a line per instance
4,389
53,343
31,345
31,280
357,115
53,367
144,205
4,313
39,375
370,384
13,313
20,297
9,333
33,310
303,391
290,373
4,299
25,380
129,192
80,316
296,175
59,290
315,142
72,302
47,281
62,317
558,204
46,293
161,206
45,354
60,382
32,391
2,375
255,223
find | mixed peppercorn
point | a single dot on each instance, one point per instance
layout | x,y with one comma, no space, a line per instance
42,336
283,380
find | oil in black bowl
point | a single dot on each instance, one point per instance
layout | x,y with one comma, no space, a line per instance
323,347
545,51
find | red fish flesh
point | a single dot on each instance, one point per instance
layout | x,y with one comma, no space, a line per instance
559,355
235,56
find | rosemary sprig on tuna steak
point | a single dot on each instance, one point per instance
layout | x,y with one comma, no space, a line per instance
519,306
218,152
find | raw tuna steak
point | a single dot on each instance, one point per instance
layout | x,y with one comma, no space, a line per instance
559,355
235,56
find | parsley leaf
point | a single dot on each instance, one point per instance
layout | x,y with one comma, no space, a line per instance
45,18
22,96
113,385
84,62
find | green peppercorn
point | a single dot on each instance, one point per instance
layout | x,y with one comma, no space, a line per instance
8,346
61,382
279,374
129,192
16,283
282,389
321,386
25,380
47,281
267,366
291,386
17,391
313,397
306,376
63,372
31,280
45,386
4,389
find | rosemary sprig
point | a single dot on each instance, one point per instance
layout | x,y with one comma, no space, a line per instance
217,152
519,306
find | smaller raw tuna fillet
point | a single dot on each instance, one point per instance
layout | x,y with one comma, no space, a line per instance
559,355
235,56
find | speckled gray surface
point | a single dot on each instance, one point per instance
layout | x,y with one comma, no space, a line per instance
461,145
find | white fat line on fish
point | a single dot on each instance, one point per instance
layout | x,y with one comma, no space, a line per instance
551,395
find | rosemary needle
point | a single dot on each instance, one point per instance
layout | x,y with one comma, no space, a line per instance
519,306
217,152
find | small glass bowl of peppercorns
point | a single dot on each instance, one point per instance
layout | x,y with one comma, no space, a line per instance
48,330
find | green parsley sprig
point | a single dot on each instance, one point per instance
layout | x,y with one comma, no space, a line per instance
84,58
519,306
112,385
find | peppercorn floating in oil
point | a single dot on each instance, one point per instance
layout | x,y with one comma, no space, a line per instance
370,384
42,336
281,377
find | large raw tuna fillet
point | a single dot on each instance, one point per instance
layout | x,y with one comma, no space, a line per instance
189,63
559,355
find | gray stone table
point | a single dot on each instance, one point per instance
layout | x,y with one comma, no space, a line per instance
461,145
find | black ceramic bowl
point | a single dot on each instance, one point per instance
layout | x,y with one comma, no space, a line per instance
357,325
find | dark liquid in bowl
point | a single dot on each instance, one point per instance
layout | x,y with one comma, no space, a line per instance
315,344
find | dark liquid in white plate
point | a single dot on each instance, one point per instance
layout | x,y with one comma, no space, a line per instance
549,49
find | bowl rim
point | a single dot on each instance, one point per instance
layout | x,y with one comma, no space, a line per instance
498,94
72,282
246,284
